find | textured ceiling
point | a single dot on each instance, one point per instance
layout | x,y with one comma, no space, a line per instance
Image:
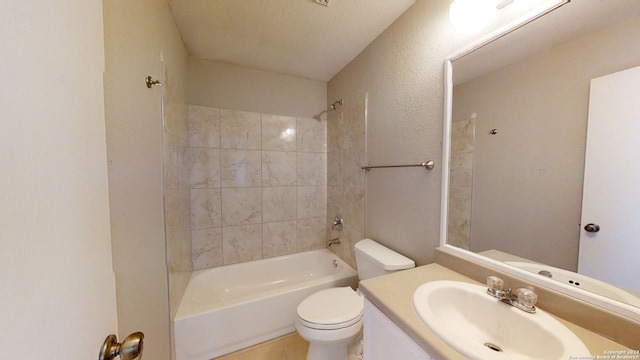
296,37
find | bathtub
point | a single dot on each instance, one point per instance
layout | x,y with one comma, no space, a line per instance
231,307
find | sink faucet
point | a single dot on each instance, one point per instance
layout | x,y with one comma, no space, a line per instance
523,299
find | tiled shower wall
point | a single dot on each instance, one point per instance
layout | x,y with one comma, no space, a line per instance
346,130
258,185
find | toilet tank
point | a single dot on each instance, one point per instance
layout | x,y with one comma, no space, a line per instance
373,259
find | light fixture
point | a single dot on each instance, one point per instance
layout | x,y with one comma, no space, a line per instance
471,15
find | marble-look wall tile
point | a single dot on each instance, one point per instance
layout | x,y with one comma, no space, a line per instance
257,185
176,210
312,168
312,234
346,179
278,238
278,203
353,176
206,249
353,209
312,202
204,126
241,206
336,198
279,168
353,134
350,238
461,182
278,132
463,135
461,170
240,130
205,168
459,218
312,135
334,168
176,157
241,243
176,121
240,168
206,209
335,124
179,251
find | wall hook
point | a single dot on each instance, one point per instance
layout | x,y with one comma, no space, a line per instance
150,82
493,131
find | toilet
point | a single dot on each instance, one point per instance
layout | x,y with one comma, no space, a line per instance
331,319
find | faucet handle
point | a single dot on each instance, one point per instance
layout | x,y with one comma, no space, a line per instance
338,223
527,298
494,283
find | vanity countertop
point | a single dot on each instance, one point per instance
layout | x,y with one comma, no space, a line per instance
393,295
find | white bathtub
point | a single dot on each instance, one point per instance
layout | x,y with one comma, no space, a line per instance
231,307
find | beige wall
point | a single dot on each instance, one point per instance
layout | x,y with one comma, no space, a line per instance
528,177
136,33
403,72
227,86
58,287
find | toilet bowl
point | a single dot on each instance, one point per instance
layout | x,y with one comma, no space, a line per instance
331,319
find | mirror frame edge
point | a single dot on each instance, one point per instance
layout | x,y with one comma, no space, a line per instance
618,307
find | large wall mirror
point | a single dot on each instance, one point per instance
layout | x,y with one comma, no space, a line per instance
517,125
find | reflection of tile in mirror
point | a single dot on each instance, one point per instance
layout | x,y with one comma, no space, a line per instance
461,182
463,134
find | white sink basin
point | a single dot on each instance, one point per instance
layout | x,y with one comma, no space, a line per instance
583,282
480,326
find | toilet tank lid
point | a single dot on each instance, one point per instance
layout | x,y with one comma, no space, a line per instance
383,256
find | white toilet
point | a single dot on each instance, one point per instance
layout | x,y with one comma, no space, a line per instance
331,319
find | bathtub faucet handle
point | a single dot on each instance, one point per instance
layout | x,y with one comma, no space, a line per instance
338,223
335,241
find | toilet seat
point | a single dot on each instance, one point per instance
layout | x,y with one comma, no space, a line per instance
330,309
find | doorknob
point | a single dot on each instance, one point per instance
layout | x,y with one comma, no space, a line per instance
129,349
592,227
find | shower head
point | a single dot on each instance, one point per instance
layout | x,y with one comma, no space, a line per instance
319,115
333,106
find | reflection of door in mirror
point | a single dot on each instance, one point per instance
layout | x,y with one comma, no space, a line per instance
611,196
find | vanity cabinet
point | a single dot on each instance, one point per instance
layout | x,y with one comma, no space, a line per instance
384,340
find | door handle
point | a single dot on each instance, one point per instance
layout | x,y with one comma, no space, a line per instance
592,227
129,349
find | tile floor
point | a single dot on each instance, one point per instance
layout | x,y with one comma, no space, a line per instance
287,347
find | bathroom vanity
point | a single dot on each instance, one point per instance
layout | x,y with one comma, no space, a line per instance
394,329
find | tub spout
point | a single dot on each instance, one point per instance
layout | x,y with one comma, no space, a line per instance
333,242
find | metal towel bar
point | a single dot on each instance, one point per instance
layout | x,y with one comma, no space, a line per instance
429,165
